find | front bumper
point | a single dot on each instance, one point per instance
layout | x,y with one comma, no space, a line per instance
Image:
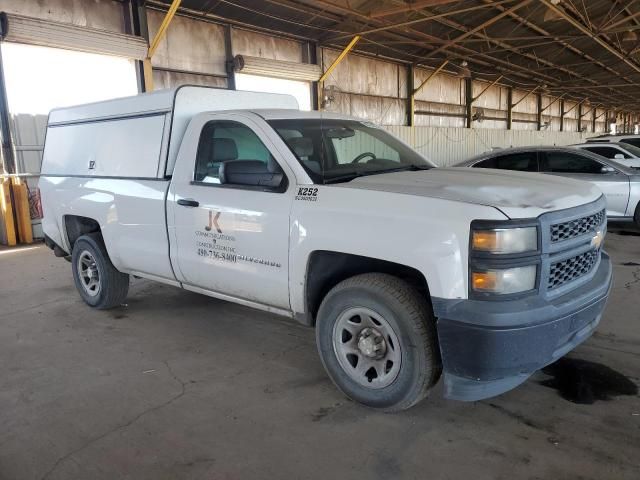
490,347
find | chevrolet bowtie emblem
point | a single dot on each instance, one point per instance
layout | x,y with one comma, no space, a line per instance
596,241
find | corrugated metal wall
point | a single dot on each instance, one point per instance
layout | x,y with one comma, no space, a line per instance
28,139
446,146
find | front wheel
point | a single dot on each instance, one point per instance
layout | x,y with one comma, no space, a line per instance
99,283
376,338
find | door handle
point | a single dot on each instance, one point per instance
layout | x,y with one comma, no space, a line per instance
188,202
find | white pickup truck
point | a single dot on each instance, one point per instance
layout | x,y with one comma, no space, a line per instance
406,271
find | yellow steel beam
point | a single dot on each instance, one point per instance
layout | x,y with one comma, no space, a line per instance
163,27
147,70
340,57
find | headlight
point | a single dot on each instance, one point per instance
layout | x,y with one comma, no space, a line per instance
504,281
505,240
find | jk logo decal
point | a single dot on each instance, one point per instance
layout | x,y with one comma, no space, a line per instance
213,221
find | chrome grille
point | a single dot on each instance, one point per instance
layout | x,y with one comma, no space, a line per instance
575,228
571,268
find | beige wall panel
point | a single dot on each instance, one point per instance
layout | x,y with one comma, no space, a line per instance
441,88
494,98
358,74
384,111
528,105
101,14
554,109
165,79
189,45
265,46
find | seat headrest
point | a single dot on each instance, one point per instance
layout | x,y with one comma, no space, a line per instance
224,149
301,146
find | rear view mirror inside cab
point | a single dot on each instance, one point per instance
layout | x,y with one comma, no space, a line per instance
341,132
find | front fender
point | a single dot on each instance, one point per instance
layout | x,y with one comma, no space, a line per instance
427,234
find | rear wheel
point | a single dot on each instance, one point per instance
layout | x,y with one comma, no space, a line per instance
636,217
376,337
99,283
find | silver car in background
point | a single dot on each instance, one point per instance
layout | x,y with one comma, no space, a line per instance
620,184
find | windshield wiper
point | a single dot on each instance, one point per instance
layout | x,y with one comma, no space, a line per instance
350,176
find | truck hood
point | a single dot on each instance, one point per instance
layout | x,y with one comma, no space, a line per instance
516,194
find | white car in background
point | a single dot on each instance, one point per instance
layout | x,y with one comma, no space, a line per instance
629,139
622,152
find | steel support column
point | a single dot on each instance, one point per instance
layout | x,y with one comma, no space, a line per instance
509,108
580,117
135,12
310,55
562,115
8,156
411,102
228,48
468,87
539,110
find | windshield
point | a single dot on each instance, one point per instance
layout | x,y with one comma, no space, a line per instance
635,141
632,149
339,150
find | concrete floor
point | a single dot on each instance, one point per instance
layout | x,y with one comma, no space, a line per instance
180,386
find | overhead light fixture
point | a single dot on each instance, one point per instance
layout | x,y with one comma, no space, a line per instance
276,68
464,69
629,36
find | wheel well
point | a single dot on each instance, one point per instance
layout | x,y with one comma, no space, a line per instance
326,269
76,226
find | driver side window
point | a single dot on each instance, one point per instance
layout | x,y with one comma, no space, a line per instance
563,162
350,147
230,153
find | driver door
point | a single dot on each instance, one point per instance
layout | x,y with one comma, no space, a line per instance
230,238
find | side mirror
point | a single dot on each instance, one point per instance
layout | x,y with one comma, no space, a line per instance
618,156
250,172
607,169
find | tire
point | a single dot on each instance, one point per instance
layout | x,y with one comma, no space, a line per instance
98,282
406,324
636,216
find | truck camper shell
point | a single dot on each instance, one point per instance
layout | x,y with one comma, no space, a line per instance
138,136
